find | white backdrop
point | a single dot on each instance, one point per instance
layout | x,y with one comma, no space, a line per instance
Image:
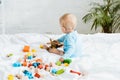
41,16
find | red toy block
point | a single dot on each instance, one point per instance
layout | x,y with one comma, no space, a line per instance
26,49
29,65
39,60
75,72
46,66
24,64
40,66
37,75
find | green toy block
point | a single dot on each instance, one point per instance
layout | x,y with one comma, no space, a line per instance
9,55
67,61
60,71
58,63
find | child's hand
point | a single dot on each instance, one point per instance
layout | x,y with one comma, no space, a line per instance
52,50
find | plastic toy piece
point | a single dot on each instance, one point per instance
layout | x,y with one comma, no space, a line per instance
28,74
36,64
47,69
29,65
54,71
30,57
24,63
10,77
66,64
60,71
67,61
46,66
39,60
40,66
28,54
16,64
33,50
26,49
37,75
41,46
9,55
75,72
58,63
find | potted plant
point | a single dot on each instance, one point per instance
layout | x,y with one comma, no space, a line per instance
106,15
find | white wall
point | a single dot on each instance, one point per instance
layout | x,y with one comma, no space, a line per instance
42,15
0,18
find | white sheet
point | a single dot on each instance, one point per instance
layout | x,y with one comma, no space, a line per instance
99,61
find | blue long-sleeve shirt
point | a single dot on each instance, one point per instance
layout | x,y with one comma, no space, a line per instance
72,44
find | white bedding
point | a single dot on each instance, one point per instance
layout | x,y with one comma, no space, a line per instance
100,59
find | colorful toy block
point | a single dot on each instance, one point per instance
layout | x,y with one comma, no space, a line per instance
37,75
28,54
41,46
16,64
54,71
9,55
30,57
47,69
60,71
26,49
33,50
10,77
36,64
46,66
39,60
40,66
66,64
58,63
67,61
28,74
29,65
24,63
75,72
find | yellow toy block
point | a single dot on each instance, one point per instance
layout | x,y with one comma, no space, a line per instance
33,50
41,46
10,77
29,54
66,64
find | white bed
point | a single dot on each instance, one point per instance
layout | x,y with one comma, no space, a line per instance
100,59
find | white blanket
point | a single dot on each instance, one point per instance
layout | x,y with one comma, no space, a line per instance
100,58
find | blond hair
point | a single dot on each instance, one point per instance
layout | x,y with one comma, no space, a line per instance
69,21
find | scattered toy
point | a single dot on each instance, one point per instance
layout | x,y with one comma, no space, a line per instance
60,71
75,72
10,77
16,64
9,55
26,49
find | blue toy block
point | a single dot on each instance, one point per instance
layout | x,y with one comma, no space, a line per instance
30,77
29,74
25,72
16,64
54,71
36,64
30,57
